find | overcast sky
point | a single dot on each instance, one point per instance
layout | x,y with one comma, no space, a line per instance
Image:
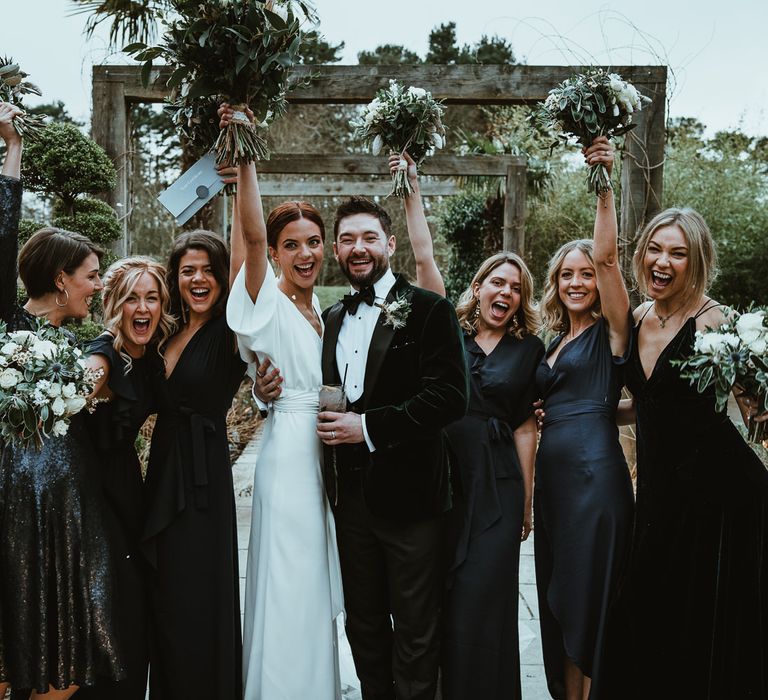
716,50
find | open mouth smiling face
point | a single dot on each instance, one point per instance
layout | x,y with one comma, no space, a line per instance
198,286
299,252
666,262
499,296
141,314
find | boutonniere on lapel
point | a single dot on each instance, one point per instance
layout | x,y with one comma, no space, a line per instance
396,312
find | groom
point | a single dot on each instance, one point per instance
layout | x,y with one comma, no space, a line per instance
399,350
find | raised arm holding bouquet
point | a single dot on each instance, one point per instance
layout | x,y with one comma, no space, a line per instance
13,87
400,119
590,104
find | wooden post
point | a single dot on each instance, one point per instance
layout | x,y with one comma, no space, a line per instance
109,128
514,209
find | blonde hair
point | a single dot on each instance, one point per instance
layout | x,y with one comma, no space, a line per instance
526,316
554,314
702,256
119,282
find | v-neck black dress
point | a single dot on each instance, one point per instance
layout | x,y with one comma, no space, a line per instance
583,502
480,647
692,620
190,530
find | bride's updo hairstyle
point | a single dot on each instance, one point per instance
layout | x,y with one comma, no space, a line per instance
283,214
702,256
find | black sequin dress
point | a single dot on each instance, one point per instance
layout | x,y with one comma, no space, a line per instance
56,596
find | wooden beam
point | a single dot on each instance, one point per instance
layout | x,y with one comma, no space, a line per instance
345,188
514,210
456,84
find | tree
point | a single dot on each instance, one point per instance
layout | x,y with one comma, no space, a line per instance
315,50
442,45
56,112
388,55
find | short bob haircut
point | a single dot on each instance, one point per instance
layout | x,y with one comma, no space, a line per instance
526,317
119,282
283,214
49,252
554,315
212,244
702,256
361,205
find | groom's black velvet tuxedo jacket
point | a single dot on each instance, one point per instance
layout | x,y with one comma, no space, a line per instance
415,385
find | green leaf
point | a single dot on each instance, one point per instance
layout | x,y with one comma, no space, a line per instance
242,62
234,31
146,71
131,48
274,19
176,77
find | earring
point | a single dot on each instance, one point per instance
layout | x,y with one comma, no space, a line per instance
66,298
183,314
476,314
515,323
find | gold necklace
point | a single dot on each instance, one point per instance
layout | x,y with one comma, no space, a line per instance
663,319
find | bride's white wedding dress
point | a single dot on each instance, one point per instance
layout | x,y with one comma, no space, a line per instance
293,582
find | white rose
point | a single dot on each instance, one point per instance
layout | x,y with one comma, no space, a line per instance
437,140
417,92
750,326
9,349
58,407
377,145
731,340
44,349
10,377
60,427
617,84
709,343
75,404
3,360
54,390
21,336
68,390
759,346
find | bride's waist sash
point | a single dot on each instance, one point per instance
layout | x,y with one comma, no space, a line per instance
574,409
297,401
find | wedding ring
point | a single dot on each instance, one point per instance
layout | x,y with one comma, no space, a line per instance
260,374
333,434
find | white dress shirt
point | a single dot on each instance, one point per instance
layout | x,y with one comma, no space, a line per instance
355,339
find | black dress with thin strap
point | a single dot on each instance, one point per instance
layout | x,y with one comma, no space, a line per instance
692,618
480,647
583,502
56,568
190,529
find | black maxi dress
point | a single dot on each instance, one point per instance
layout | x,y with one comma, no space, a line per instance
692,619
583,503
480,648
114,427
190,530
56,569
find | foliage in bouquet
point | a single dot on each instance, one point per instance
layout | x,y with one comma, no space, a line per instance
402,119
13,87
586,105
735,353
238,51
44,381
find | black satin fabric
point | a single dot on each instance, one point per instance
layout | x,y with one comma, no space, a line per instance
694,609
190,529
583,503
480,645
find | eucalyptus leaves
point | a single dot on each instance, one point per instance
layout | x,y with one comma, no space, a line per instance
236,51
590,104
402,119
13,87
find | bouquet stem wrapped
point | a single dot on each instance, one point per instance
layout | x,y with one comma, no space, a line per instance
241,141
12,88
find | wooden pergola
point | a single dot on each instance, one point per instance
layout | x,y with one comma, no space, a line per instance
116,88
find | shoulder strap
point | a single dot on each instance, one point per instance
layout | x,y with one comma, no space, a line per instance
706,308
650,306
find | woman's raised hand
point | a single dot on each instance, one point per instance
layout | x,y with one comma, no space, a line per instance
8,113
226,113
395,164
600,152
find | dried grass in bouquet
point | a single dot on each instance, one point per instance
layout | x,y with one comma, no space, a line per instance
590,104
13,87
236,51
402,119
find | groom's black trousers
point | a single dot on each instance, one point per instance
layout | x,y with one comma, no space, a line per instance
392,573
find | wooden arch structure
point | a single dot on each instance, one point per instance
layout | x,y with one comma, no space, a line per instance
117,87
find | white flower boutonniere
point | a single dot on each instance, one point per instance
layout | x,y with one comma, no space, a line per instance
396,312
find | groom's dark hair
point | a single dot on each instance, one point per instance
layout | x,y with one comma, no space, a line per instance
361,205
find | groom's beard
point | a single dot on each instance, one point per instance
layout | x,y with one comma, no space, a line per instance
361,281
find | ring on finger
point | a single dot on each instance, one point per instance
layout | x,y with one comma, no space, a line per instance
333,434
260,374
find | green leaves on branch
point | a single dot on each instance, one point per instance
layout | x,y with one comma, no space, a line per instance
13,87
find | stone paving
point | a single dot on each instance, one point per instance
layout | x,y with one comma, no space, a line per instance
532,668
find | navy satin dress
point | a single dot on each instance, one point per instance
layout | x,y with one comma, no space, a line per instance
480,648
583,502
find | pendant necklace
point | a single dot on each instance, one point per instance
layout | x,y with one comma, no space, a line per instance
663,319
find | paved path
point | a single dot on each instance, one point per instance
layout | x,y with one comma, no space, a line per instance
532,669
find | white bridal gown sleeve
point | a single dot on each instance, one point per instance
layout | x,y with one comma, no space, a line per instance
293,582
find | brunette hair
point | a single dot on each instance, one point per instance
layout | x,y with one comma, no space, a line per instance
702,256
212,244
283,214
119,282
361,205
49,252
554,315
524,321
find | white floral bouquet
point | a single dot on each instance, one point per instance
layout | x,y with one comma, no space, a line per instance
590,104
44,381
734,354
402,119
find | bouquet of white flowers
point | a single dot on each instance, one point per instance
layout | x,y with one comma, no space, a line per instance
735,354
13,86
401,119
44,381
595,103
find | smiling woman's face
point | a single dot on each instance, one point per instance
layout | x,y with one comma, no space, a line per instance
141,314
198,286
80,287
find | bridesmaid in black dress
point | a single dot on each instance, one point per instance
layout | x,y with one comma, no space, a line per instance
57,630
583,499
494,448
692,621
190,533
137,319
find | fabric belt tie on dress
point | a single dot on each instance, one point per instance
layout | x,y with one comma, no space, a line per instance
297,401
573,409
498,428
200,425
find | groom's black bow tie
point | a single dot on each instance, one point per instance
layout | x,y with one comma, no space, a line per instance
352,301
